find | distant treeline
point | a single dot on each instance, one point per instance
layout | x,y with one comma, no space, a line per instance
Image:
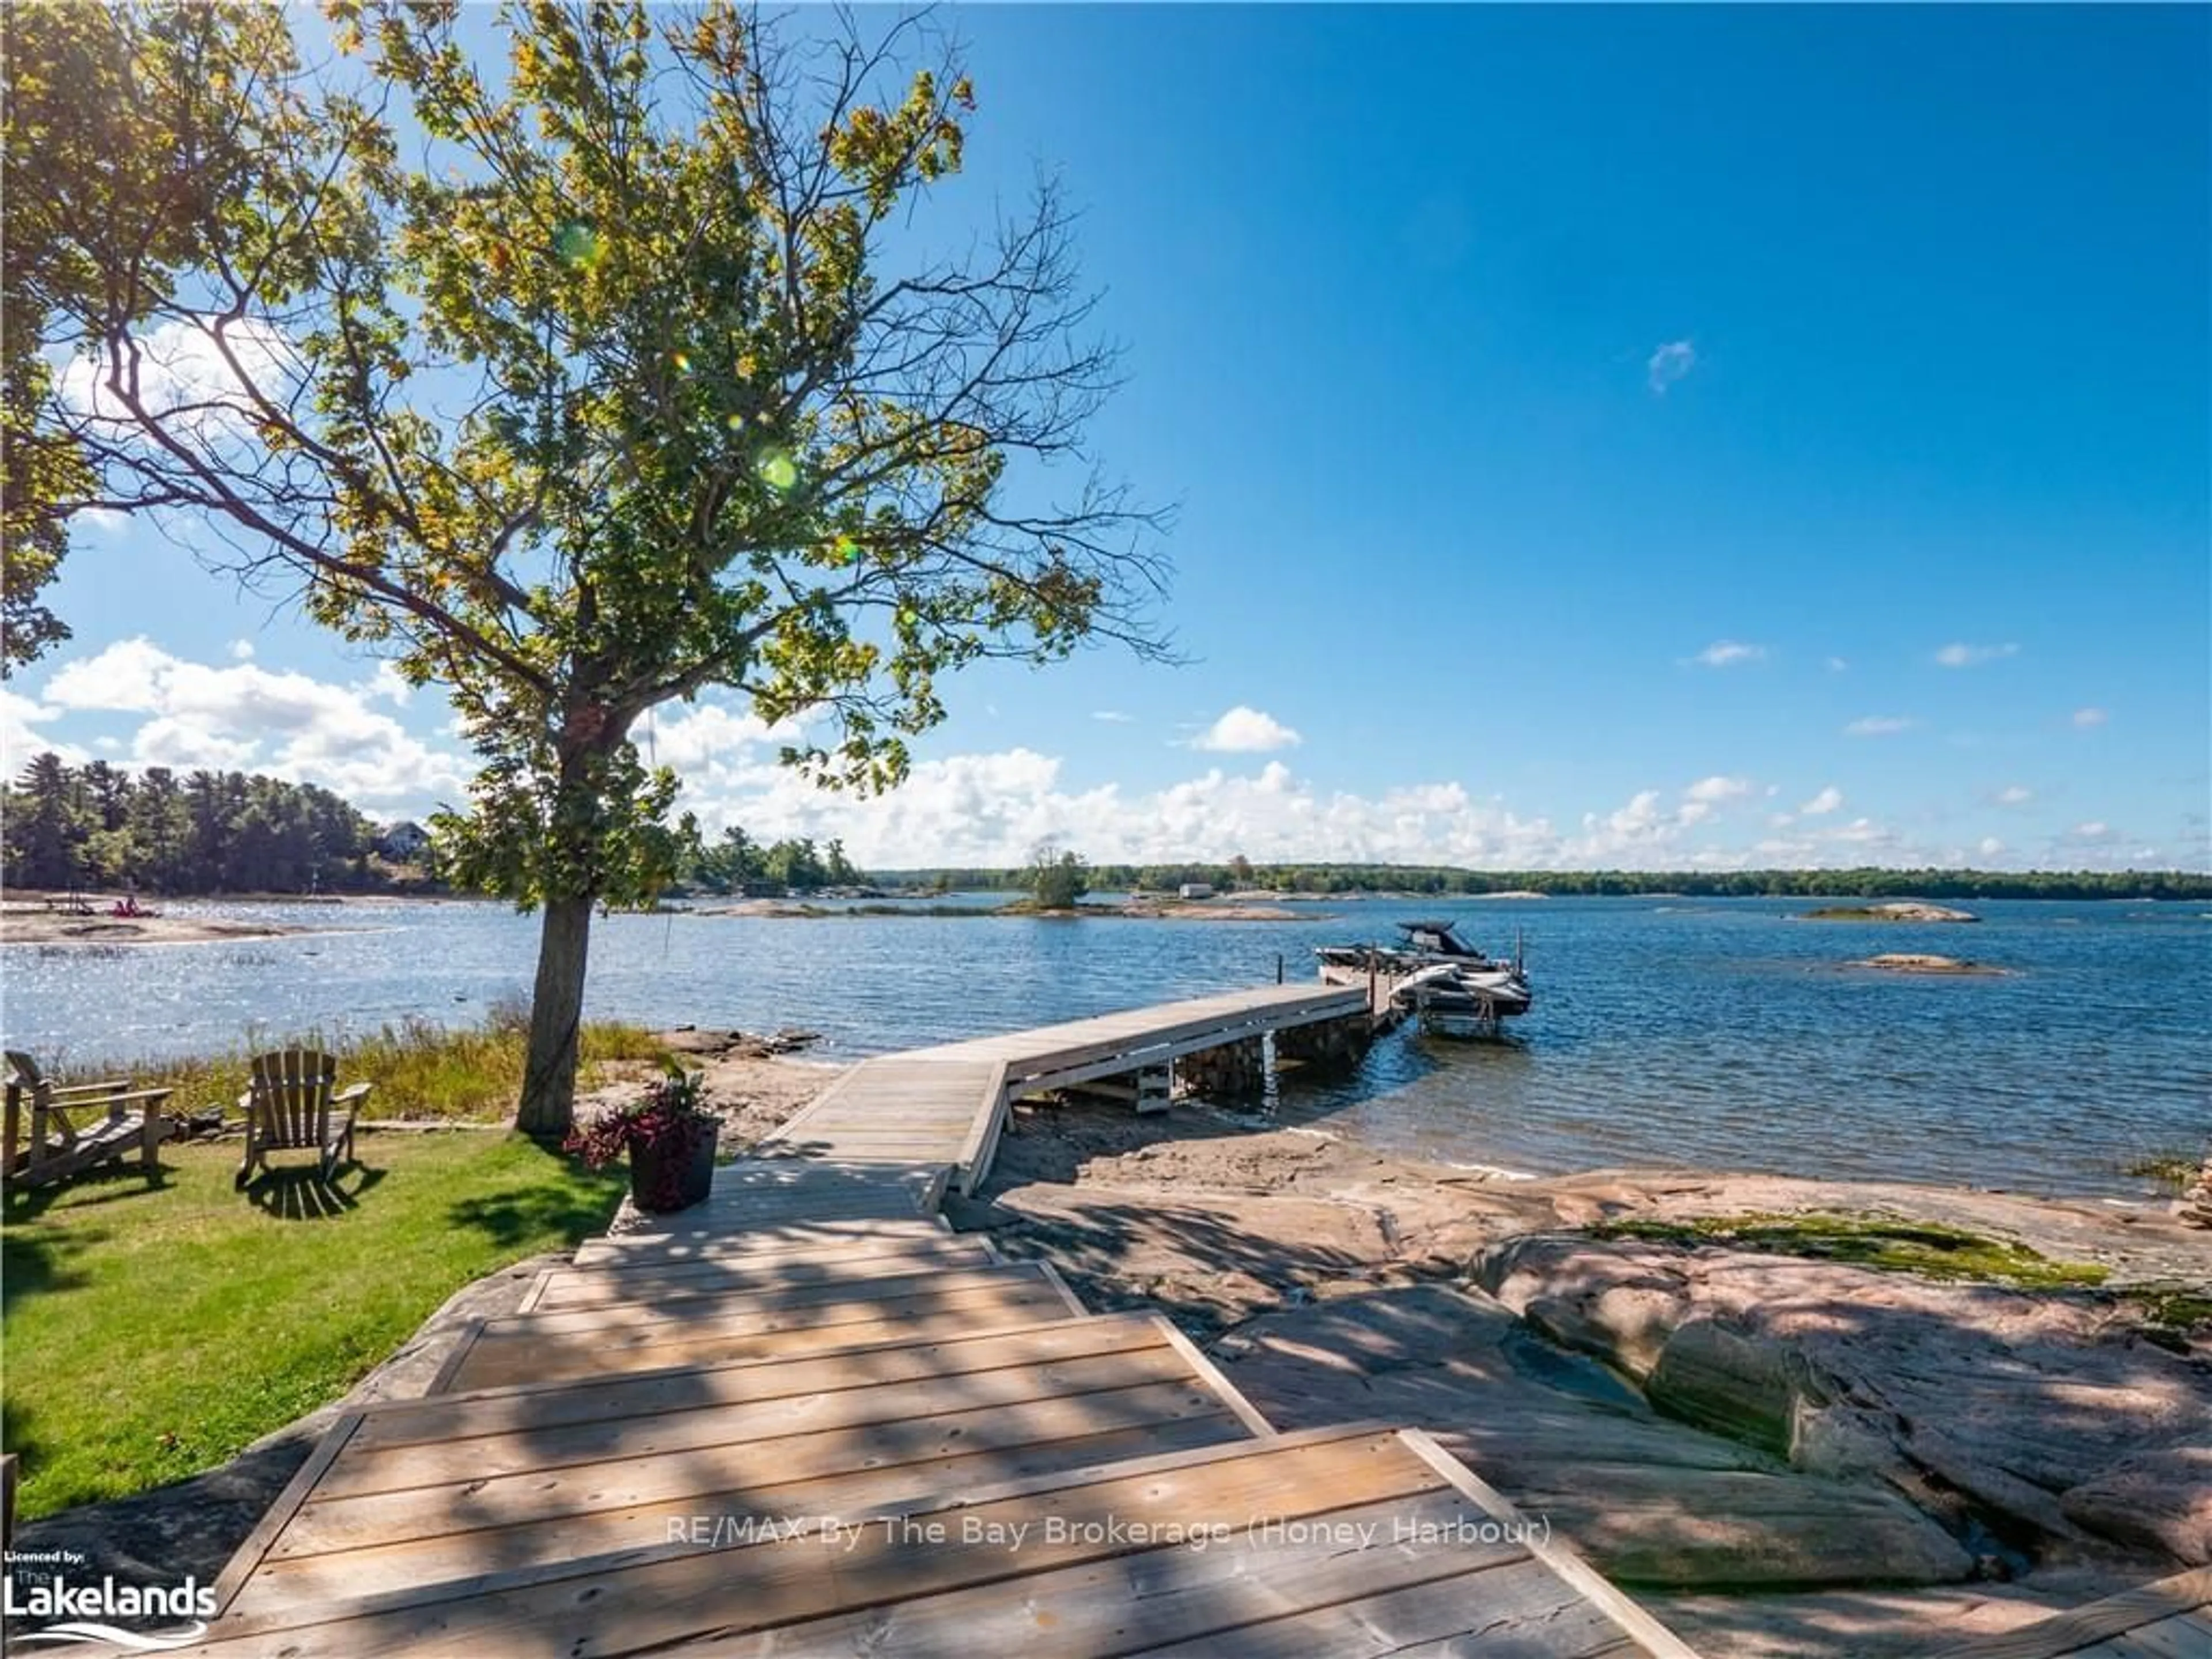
98,826
1703,884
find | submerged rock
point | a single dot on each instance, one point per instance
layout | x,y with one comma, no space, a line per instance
1911,961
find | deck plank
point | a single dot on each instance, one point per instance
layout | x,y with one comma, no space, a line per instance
732,1283
756,1469
656,1595
2090,1630
531,1448
511,1351
432,1535
1150,1597
534,1406
855,1254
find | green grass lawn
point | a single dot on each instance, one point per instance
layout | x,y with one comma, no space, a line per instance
151,1333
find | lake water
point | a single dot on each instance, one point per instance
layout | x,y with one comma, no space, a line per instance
1711,1032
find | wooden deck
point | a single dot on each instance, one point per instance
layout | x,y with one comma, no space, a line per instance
943,1108
807,1419
643,1321
2171,1619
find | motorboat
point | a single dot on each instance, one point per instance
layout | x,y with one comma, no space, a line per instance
1450,987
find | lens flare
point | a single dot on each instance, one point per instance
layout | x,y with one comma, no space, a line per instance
576,244
778,470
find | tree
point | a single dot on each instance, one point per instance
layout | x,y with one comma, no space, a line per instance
43,833
594,400
1057,880
158,827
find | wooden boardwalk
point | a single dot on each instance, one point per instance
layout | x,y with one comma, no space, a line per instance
2171,1619
943,1108
806,1418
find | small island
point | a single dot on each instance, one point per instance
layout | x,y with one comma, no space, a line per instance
1896,910
1916,962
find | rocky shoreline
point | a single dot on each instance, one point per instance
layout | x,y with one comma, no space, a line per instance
1787,1457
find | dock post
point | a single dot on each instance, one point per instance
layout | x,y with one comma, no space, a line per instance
1154,1089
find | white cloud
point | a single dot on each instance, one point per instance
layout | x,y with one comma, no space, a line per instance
1972,656
992,809
1246,730
1727,654
1989,846
20,740
1714,790
1669,364
2014,794
1112,716
1861,832
387,683
1781,849
1836,664
1880,726
2096,830
242,650
245,717
1824,803
713,743
183,375
2086,718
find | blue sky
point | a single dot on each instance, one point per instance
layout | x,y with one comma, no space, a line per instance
1654,437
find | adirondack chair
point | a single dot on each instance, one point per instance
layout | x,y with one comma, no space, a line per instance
76,1125
295,1105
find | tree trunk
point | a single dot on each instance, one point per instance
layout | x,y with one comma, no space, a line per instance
557,1013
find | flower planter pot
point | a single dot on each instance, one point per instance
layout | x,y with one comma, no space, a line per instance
663,1178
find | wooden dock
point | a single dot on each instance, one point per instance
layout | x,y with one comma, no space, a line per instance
806,1418
2171,1619
943,1108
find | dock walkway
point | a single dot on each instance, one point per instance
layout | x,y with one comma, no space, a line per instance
806,1418
943,1108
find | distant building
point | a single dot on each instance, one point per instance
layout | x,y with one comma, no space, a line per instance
1195,889
403,843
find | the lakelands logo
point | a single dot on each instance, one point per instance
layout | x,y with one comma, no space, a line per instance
80,1612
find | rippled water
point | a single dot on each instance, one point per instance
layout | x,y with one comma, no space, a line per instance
1710,1032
